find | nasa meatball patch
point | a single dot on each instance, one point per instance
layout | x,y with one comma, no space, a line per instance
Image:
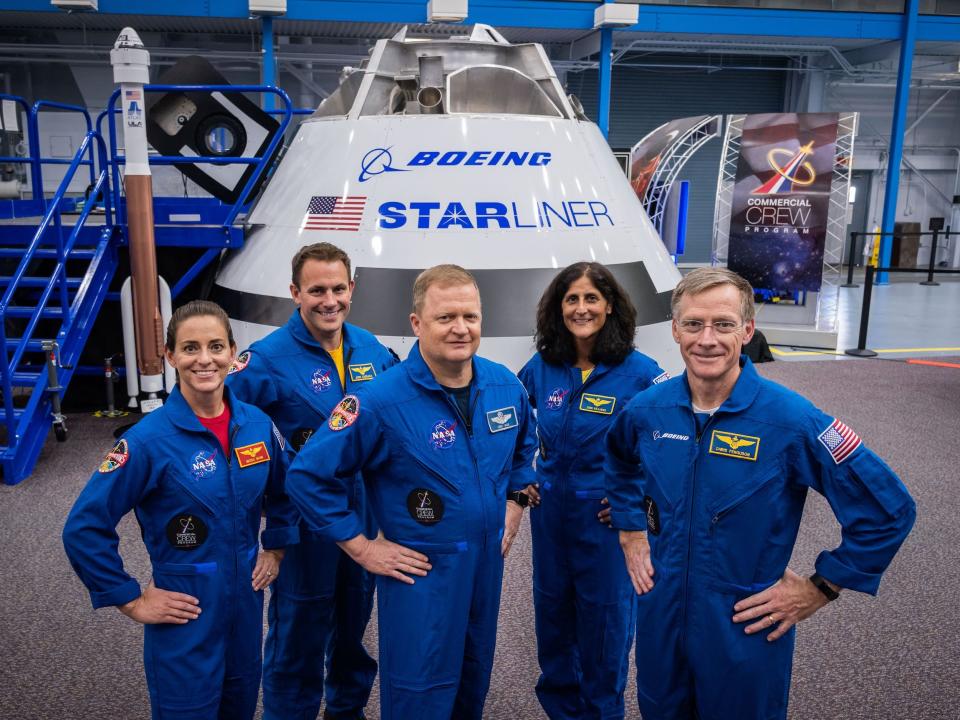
116,458
425,506
186,532
243,359
345,413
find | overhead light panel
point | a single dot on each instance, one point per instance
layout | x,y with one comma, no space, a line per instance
268,7
447,10
615,15
75,4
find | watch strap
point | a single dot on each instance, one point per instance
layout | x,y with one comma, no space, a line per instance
823,586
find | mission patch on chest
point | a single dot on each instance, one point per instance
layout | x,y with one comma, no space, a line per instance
743,447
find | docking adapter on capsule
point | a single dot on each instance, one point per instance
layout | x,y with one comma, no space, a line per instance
466,151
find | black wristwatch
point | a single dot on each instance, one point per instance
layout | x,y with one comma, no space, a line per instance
519,497
824,587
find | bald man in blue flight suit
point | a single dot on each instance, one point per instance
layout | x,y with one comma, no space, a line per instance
441,439
707,475
321,603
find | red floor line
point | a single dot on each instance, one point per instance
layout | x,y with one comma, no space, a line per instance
934,363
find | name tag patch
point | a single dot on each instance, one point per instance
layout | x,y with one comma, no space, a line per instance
361,372
742,447
502,419
602,404
252,454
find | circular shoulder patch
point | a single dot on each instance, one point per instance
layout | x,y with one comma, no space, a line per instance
240,363
186,532
116,458
425,506
345,413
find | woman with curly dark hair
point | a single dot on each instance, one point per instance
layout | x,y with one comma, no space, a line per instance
583,374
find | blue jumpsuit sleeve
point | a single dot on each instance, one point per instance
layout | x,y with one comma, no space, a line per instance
874,509
321,478
282,527
253,383
90,534
528,378
623,474
522,472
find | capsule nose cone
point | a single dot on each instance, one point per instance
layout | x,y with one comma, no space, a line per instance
128,38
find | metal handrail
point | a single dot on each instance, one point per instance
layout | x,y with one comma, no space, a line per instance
261,163
34,127
58,277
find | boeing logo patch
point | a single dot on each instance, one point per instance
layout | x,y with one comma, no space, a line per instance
502,419
742,447
361,372
657,435
601,404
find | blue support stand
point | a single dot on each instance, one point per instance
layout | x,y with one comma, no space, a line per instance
269,62
907,44
606,74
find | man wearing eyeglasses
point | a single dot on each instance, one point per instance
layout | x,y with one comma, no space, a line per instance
707,475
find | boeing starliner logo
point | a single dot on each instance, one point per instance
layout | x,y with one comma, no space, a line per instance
380,160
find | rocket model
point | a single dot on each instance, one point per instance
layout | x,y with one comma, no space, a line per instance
466,151
131,64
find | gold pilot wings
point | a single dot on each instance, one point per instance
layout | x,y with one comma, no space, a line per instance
602,404
743,447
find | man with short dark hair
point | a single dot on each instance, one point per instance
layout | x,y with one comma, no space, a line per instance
707,475
445,442
321,602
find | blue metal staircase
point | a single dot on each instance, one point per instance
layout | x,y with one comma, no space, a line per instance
54,278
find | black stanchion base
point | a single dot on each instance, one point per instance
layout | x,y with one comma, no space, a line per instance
849,285
930,282
860,352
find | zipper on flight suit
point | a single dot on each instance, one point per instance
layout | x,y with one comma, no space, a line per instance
233,491
566,416
473,455
698,434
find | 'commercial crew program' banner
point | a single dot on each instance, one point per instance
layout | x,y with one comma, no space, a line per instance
781,199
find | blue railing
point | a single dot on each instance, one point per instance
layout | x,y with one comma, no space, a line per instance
58,276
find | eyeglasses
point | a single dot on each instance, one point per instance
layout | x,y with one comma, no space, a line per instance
695,327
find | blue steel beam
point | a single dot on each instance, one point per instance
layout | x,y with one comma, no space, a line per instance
269,64
901,100
560,14
606,80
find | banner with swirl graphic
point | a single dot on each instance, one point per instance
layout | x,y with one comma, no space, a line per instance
781,200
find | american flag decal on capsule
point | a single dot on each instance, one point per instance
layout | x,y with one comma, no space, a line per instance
331,212
839,440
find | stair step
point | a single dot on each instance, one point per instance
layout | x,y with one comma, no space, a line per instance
49,254
25,378
38,282
19,311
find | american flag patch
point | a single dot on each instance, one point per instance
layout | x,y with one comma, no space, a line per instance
839,440
331,212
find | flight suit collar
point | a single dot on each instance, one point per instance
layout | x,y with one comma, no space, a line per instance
298,329
182,415
420,373
744,390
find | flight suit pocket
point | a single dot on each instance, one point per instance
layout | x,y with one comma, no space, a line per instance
745,526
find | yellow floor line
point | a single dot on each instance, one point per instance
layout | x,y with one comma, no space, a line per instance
814,353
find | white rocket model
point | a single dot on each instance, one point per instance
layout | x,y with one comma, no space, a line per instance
131,64
461,151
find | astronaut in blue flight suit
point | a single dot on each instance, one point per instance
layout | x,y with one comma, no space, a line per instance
321,604
584,372
198,502
441,440
707,476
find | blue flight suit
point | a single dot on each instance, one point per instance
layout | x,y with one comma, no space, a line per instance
721,501
583,600
199,515
322,601
439,489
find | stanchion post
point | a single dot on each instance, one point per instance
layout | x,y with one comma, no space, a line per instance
933,259
861,349
850,260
